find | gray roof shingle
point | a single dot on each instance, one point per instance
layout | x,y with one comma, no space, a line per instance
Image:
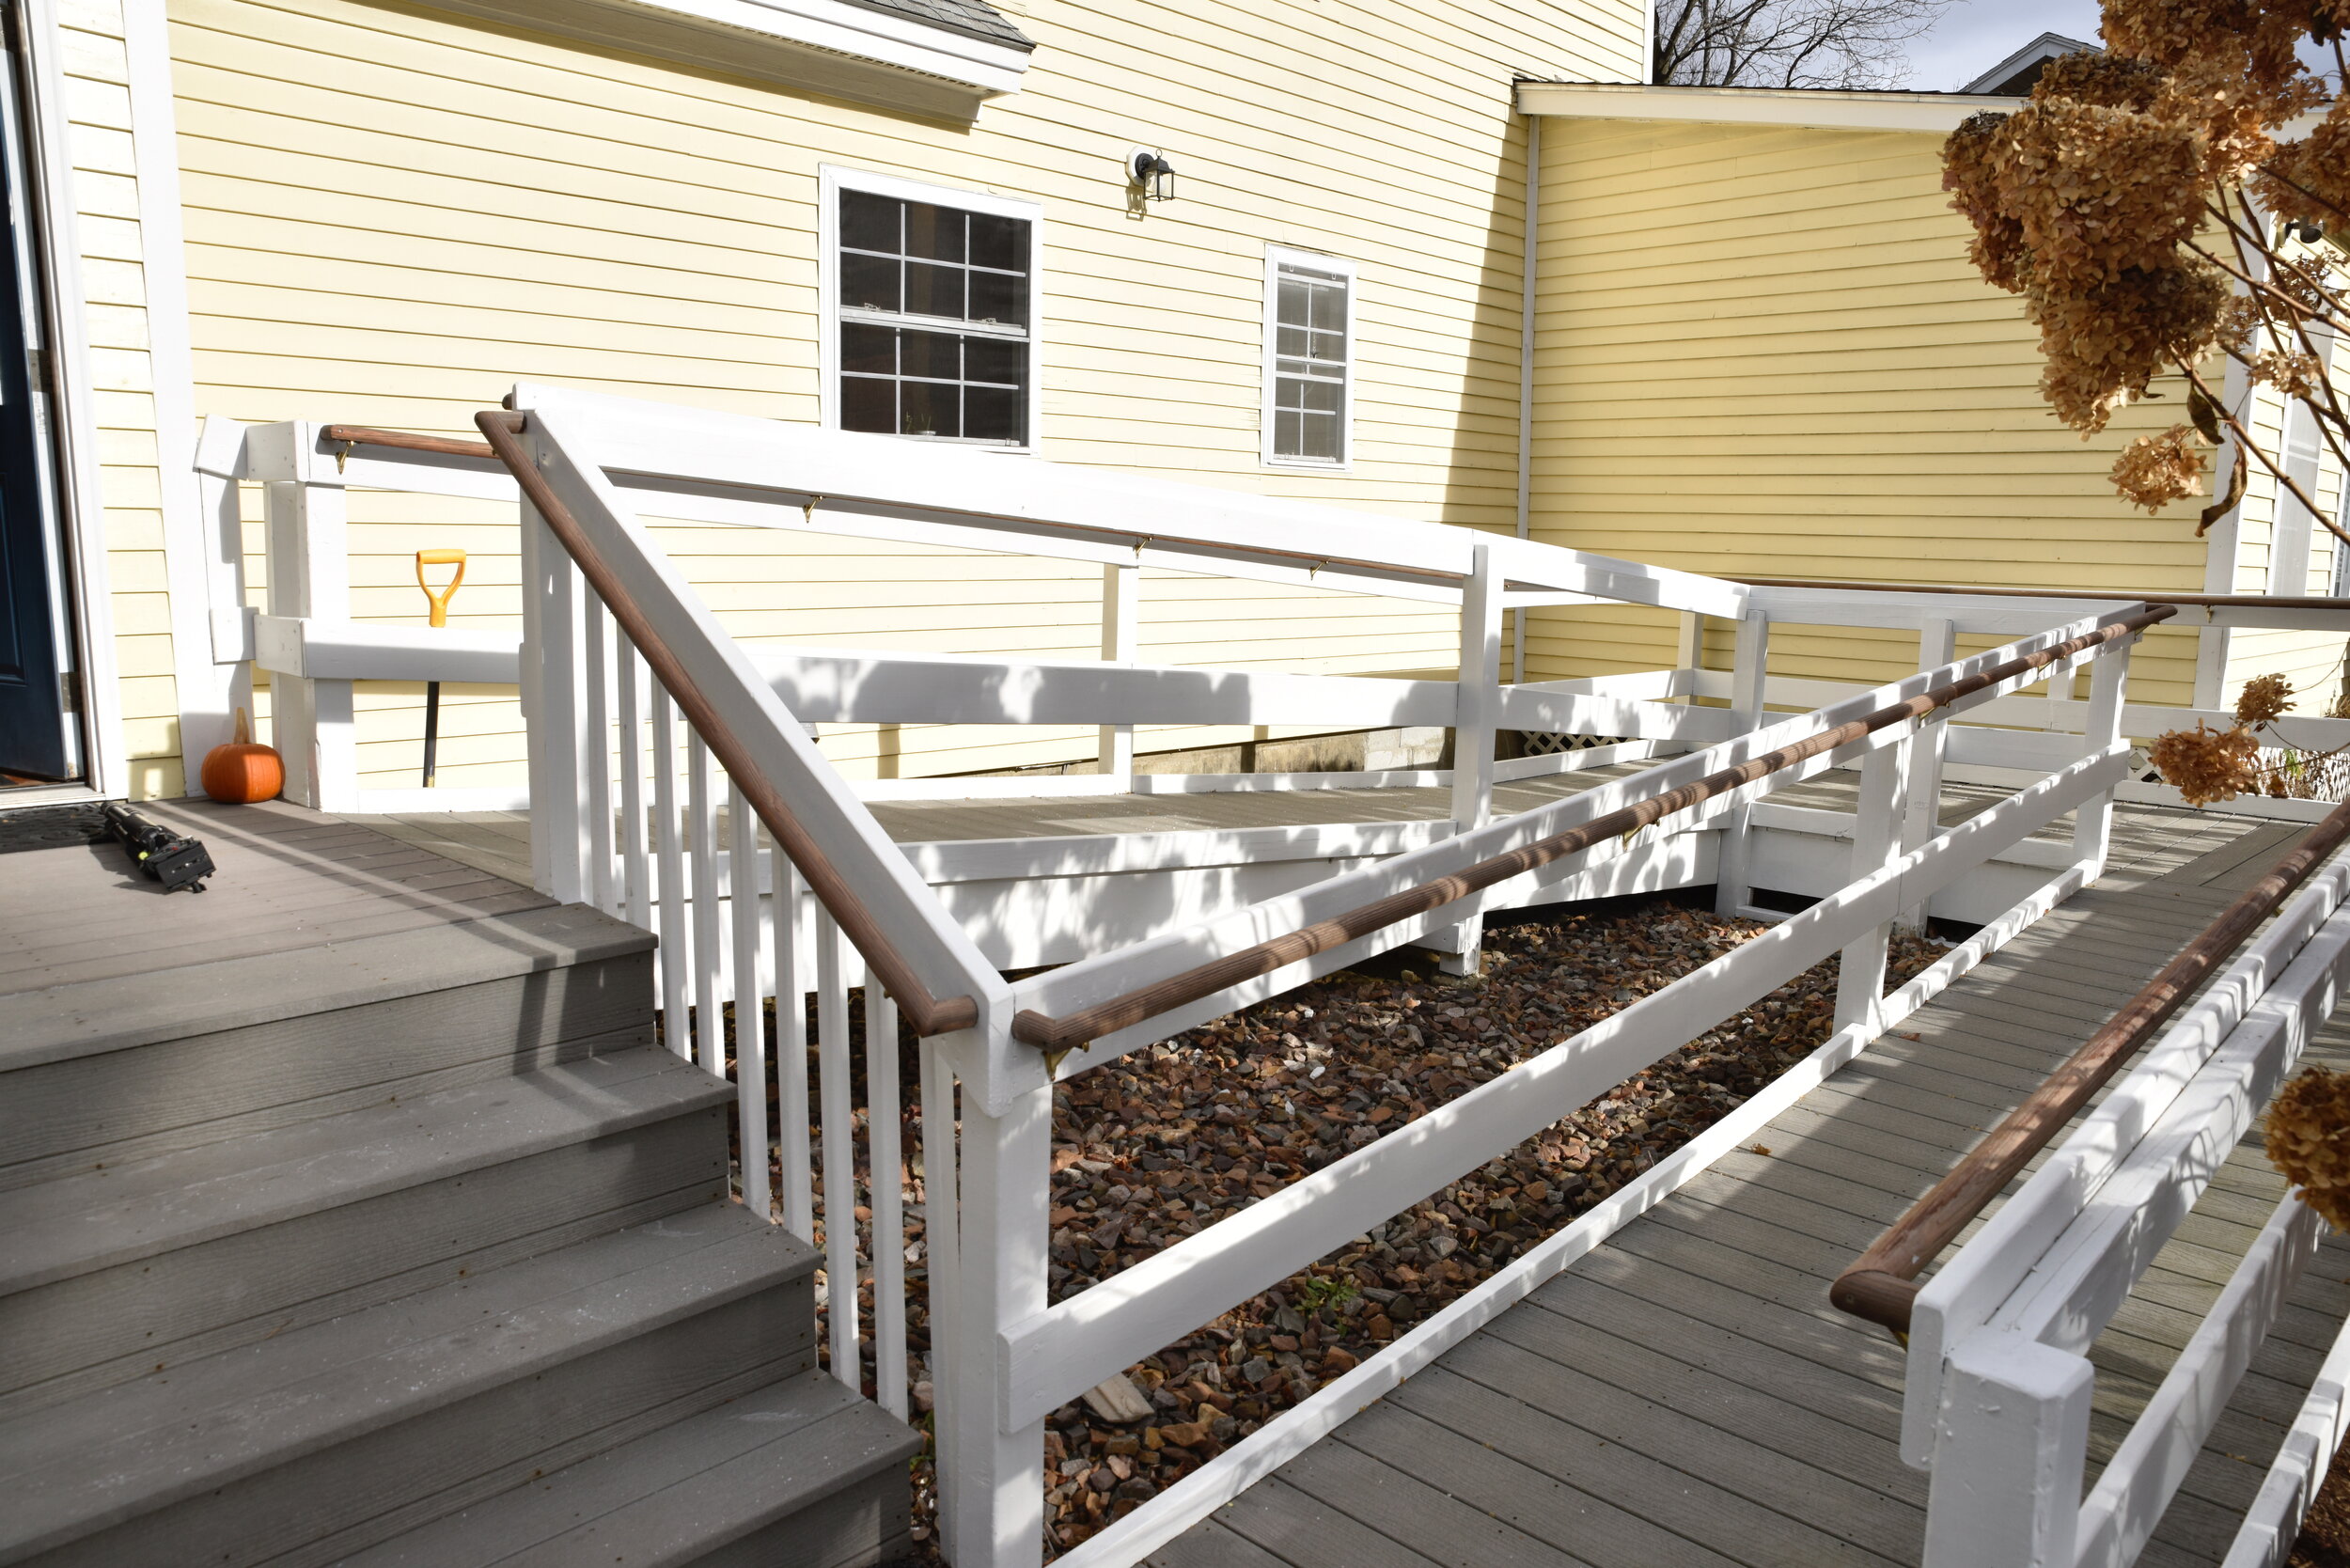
972,17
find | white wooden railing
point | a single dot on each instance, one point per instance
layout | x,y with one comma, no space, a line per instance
1997,1394
626,802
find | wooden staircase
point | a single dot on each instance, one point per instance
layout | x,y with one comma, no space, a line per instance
406,1249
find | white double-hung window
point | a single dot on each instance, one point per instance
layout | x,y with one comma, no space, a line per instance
1309,365
930,311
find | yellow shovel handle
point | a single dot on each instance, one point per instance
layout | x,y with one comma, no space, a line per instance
440,600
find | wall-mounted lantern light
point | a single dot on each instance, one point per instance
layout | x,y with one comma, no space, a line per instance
1149,171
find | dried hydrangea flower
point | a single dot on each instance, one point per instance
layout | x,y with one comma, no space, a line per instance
2156,470
2309,1142
2207,766
2293,373
2263,700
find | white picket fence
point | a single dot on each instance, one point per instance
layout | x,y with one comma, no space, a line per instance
626,800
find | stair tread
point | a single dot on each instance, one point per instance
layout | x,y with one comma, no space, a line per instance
676,1494
90,1017
184,1430
102,1218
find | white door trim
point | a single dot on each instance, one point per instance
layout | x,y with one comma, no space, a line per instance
63,331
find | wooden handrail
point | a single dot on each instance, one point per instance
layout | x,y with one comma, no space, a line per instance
1881,1285
1073,1029
2120,596
929,1015
363,435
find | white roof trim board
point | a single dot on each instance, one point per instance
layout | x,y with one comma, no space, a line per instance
1809,107
851,50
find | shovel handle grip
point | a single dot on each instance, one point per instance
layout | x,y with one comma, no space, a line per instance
440,600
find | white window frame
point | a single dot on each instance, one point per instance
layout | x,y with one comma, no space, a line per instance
831,180
1274,256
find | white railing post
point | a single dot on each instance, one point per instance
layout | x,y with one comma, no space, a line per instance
1121,586
994,1477
1938,645
555,712
309,577
1473,733
2092,824
1876,844
1749,668
2008,1456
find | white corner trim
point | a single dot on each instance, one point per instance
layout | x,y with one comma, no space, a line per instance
206,690
1810,108
64,330
1274,256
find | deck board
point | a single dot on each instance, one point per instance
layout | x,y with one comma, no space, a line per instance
1690,1370
288,879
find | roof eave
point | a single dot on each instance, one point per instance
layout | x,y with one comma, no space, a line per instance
1810,108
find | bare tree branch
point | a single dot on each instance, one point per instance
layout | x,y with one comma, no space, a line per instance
1787,43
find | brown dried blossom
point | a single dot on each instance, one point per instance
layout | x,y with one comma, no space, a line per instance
2309,1142
2263,700
2207,766
2096,203
2293,373
2156,470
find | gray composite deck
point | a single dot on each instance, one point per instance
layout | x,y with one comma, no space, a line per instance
499,842
288,879
1685,1395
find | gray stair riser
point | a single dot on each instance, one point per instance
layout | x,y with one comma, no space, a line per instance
124,1322
858,1527
738,1478
341,1497
116,1105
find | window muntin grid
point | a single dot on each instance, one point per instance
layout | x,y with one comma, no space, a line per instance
1309,364
933,304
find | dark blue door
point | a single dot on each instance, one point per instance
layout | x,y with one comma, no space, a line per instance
32,697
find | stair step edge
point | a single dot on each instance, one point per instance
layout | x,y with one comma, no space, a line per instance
144,1446
677,1494
73,1224
94,1018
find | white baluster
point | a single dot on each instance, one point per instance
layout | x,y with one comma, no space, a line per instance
750,1029
596,643
837,1128
2092,824
554,599
883,1114
710,947
941,1249
1120,588
1749,670
1938,645
1876,844
635,874
677,968
1478,699
791,1111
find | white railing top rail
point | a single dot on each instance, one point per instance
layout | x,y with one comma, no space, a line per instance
1077,989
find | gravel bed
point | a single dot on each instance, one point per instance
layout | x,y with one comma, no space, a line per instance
1163,1143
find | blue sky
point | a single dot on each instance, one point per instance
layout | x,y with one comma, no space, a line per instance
1975,35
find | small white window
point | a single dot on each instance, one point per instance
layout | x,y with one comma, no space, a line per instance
1308,360
929,307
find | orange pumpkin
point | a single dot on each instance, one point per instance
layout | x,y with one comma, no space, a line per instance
243,771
